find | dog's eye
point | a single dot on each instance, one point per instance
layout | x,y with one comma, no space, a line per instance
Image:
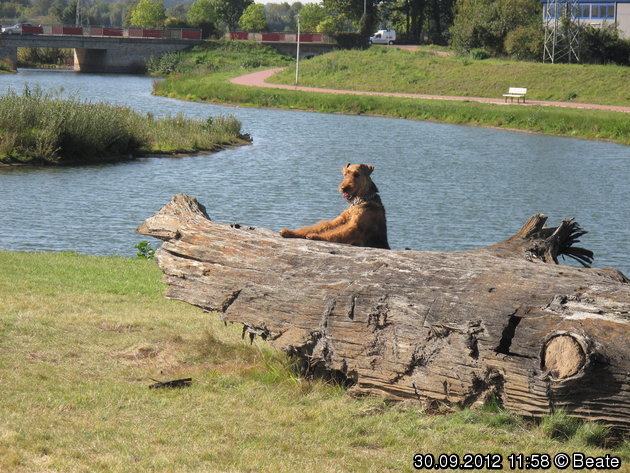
356,174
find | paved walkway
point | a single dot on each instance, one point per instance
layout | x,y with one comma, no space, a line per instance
258,79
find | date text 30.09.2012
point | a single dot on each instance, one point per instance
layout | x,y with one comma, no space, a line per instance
515,461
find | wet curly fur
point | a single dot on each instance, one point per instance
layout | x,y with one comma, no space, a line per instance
363,223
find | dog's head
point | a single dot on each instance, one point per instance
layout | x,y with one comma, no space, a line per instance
356,181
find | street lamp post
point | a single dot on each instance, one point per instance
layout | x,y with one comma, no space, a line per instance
297,55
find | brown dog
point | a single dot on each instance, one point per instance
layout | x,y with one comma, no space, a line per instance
363,223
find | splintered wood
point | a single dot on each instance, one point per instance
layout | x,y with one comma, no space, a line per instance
440,327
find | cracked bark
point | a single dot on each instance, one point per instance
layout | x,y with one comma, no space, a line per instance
457,327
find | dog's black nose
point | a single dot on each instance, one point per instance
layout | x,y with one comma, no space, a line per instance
345,188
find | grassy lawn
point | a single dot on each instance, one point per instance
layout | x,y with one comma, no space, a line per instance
82,338
204,73
393,70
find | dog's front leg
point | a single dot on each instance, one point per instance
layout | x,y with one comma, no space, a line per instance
349,234
320,227
300,232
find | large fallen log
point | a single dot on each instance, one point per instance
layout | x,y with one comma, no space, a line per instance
457,327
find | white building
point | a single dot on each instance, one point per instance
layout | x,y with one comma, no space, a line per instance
596,13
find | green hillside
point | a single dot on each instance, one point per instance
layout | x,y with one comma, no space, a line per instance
385,69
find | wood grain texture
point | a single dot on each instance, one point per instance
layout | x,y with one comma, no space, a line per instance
439,327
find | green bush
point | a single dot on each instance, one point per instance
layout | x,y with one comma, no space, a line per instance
351,41
479,54
166,64
486,23
525,43
602,45
216,56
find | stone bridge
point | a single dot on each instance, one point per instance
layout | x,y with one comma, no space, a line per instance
97,54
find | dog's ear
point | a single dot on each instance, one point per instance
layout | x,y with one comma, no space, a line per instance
343,169
367,168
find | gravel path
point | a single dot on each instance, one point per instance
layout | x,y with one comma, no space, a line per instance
259,78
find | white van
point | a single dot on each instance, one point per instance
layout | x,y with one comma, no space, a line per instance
383,37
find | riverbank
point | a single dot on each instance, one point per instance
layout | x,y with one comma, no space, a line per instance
84,337
555,121
41,128
613,126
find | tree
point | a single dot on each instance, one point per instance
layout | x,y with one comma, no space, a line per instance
202,11
358,15
148,13
253,18
202,14
525,43
603,45
486,23
177,11
57,8
230,11
328,25
280,16
311,16
41,7
439,19
69,14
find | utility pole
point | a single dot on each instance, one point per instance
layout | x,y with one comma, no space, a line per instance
297,55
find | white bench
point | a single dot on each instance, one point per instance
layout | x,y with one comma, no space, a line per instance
518,92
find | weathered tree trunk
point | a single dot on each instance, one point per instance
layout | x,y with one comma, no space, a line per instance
433,326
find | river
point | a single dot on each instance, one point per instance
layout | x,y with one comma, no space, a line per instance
445,187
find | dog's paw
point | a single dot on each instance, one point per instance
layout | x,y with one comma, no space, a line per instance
286,233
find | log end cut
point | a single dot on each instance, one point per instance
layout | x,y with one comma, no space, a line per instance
562,356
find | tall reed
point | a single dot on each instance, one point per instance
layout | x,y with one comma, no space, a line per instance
40,127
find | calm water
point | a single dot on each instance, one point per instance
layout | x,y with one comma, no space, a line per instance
445,187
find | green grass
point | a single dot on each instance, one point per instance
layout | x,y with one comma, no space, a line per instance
82,338
394,70
218,56
577,123
199,84
42,128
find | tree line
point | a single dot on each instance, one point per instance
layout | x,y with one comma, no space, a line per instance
416,20
480,27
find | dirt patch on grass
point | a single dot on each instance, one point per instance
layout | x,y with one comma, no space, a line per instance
152,357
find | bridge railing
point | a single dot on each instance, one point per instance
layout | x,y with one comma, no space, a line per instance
282,37
69,30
